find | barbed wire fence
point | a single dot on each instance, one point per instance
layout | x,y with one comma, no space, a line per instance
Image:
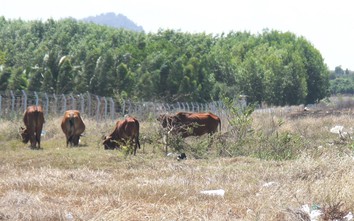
13,104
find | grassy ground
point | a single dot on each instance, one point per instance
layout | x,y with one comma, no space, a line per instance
90,183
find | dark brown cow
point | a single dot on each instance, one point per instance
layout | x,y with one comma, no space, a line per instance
126,132
191,124
72,126
33,119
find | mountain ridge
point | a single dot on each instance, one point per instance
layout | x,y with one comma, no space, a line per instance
114,20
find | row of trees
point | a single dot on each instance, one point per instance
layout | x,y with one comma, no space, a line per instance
68,56
341,81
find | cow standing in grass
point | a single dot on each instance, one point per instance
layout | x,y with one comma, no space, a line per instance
73,127
126,132
33,119
191,124
187,124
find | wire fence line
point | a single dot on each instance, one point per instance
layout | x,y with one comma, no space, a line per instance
14,103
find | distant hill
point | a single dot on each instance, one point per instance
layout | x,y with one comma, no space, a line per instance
113,20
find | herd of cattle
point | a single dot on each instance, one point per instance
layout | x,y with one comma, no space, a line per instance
125,132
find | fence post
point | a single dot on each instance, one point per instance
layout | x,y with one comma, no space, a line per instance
123,113
24,100
82,103
98,107
89,103
46,102
130,107
64,102
12,101
179,106
112,108
73,105
105,107
36,95
55,103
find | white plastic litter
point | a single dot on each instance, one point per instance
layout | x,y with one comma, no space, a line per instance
314,214
69,216
269,184
337,129
349,216
219,192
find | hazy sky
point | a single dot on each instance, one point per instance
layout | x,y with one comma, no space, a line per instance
328,25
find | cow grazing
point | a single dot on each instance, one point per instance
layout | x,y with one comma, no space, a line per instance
72,126
126,132
191,124
33,119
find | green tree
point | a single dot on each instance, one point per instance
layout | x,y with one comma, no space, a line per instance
35,80
5,79
105,72
65,81
317,73
18,80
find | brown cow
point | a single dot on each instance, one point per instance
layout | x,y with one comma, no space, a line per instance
191,124
125,132
72,126
33,119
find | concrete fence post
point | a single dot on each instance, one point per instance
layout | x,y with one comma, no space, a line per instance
89,103
73,103
55,108
105,107
12,101
82,103
36,96
112,110
24,100
64,102
98,107
46,103
123,108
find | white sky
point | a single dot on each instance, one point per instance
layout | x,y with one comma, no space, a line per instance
328,25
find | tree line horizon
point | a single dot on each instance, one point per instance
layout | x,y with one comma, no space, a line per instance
69,56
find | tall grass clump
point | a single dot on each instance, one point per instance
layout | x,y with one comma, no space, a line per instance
244,138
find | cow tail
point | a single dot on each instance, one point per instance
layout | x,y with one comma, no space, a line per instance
137,137
71,121
72,129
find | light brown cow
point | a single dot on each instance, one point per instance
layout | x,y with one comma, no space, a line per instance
72,126
126,132
33,119
191,124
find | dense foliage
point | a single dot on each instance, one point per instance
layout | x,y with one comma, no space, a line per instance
68,56
341,81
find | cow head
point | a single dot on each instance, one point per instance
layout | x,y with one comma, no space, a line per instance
109,143
24,134
165,120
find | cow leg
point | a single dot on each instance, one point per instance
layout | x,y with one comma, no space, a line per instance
75,140
33,142
38,139
135,147
136,144
68,140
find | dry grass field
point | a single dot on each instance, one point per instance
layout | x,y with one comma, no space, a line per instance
90,183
